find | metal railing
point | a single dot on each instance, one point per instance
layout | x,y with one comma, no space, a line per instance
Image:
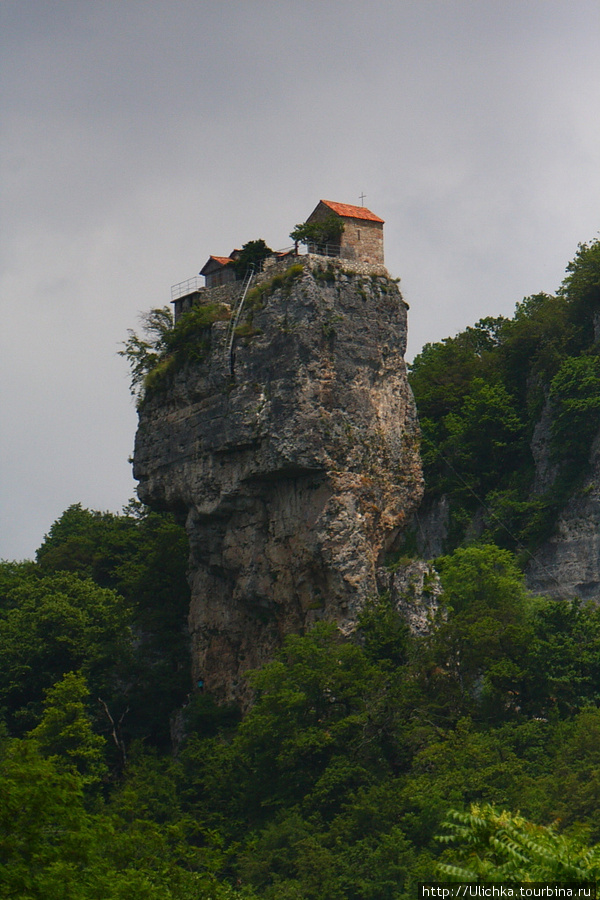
323,249
186,287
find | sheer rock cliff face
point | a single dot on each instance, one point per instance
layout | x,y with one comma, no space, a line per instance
567,564
296,473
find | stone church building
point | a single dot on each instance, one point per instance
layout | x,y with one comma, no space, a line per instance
361,241
362,237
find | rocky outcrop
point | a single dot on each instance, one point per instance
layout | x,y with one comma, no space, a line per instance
430,527
567,565
295,473
414,589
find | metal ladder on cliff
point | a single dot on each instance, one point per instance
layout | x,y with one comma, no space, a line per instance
235,318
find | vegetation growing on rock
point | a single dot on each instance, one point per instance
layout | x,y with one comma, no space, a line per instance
286,463
342,775
164,347
480,396
367,762
258,295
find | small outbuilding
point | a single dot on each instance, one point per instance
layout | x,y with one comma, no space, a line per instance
219,270
362,237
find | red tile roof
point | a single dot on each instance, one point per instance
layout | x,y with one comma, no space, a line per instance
209,266
352,212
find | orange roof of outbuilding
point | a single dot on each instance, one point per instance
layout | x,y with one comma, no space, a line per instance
352,212
220,260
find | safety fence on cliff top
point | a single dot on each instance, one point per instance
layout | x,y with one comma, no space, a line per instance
190,286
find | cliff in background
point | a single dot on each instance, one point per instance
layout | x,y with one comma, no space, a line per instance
510,418
567,564
296,473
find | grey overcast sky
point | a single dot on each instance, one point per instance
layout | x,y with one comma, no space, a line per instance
139,136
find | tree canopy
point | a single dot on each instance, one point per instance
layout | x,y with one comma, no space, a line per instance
252,256
336,781
325,231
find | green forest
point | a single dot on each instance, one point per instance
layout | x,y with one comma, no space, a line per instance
480,395
365,764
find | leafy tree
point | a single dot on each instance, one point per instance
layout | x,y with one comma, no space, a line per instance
11,575
385,633
65,734
441,373
486,632
142,556
571,793
144,352
480,396
462,764
322,725
472,431
52,847
293,857
252,256
45,838
311,708
533,344
562,666
581,286
89,543
500,846
326,231
575,395
484,435
57,624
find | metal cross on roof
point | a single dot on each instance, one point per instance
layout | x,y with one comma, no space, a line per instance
362,199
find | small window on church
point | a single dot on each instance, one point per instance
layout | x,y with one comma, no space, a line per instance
358,234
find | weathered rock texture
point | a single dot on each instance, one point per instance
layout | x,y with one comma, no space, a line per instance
414,589
567,565
295,474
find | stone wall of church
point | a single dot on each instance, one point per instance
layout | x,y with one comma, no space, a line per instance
363,240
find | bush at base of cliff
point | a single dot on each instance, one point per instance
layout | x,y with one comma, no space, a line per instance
53,846
338,778
109,597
